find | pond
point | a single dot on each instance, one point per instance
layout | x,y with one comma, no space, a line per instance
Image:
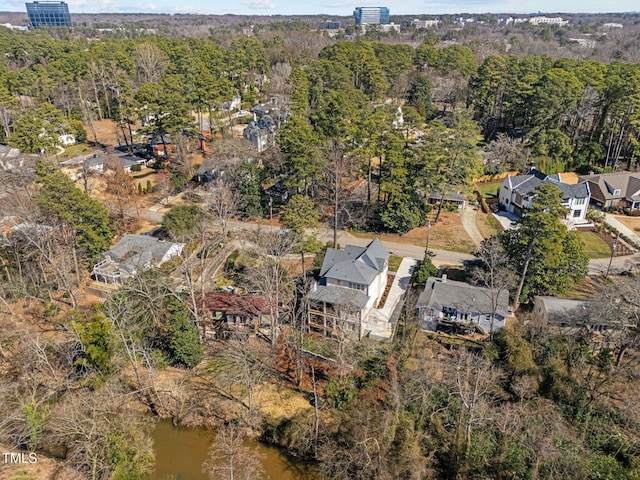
180,453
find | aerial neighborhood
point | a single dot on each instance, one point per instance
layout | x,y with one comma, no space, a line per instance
390,246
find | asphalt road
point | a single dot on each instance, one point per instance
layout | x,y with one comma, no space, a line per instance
443,257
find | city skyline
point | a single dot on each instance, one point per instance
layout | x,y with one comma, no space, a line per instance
340,7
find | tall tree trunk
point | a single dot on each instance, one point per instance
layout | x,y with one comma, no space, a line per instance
527,260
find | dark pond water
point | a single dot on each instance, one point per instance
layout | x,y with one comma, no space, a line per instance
180,453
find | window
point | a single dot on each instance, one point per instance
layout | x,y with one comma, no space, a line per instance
576,213
579,201
617,191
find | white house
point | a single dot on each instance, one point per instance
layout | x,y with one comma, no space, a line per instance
517,193
132,254
67,139
458,307
352,283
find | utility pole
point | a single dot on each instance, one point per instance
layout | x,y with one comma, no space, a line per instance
614,245
426,252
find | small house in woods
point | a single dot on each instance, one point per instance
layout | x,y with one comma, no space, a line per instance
133,254
352,283
578,315
450,197
128,161
517,194
619,189
458,307
230,312
160,146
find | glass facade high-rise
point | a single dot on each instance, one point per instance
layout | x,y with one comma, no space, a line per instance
48,14
371,15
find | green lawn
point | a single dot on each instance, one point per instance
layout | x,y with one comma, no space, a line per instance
76,150
595,246
394,263
489,190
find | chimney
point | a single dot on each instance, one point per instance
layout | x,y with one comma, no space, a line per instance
444,278
532,166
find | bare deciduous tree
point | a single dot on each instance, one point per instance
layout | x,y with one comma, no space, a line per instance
150,62
230,459
223,202
494,273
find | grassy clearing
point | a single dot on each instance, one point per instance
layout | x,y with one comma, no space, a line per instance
451,237
394,263
595,246
489,190
75,151
487,224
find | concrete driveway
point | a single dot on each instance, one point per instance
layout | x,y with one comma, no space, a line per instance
506,219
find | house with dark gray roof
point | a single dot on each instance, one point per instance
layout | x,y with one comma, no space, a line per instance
614,189
352,283
517,193
132,254
455,307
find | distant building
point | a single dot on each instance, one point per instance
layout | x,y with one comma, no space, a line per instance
548,21
48,14
371,15
13,27
612,25
333,26
421,23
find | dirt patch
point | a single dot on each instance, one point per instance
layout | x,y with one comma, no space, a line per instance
447,234
280,402
105,132
569,177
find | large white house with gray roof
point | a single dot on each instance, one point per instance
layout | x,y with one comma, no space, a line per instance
517,193
352,282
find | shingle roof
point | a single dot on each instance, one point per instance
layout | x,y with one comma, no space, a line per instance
355,264
230,304
339,296
604,185
563,308
135,251
526,184
463,296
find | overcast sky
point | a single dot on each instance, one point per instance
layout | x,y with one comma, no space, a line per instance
338,7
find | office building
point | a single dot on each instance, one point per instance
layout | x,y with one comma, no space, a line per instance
48,14
371,15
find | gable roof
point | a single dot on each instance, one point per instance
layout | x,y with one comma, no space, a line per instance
339,296
134,251
603,186
462,296
526,184
231,304
355,264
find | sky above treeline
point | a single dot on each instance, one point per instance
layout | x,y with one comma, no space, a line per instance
339,7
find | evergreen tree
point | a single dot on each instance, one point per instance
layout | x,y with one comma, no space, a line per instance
548,258
250,188
58,195
183,341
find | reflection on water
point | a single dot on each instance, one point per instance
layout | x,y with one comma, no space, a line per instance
180,453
